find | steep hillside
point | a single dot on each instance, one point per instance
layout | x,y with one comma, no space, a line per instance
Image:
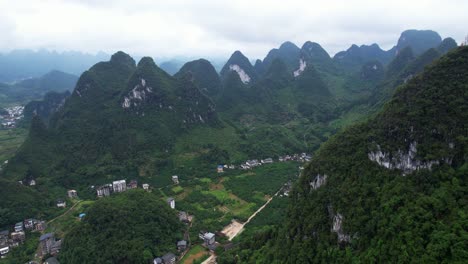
204,76
288,52
50,104
392,189
241,65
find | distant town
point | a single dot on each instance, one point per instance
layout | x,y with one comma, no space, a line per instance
11,116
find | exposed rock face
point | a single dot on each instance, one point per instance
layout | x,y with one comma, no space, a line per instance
137,95
337,228
318,181
245,78
302,66
407,162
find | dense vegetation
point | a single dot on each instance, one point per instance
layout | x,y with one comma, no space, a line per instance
414,215
131,227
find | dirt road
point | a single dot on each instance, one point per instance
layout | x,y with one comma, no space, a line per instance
235,227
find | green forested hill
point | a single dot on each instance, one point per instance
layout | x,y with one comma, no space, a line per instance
393,189
35,88
204,75
131,227
119,117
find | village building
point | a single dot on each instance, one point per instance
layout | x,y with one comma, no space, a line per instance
171,202
4,234
145,186
40,226
267,161
119,186
19,227
169,258
157,261
104,190
48,244
18,236
61,203
132,185
175,179
72,194
184,217
208,238
181,245
52,260
29,223
252,163
4,250
32,182
220,168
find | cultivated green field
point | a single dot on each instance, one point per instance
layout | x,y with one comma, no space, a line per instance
10,141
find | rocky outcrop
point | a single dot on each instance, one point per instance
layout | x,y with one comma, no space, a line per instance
136,95
302,66
404,161
245,78
318,181
337,228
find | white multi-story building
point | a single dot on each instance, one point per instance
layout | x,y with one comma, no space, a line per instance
171,202
119,186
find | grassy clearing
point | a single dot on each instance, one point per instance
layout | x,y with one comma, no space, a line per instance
205,180
196,253
177,189
10,141
64,223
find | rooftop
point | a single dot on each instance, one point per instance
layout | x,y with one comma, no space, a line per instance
168,257
46,236
209,235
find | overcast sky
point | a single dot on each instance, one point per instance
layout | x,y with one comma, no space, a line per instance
216,28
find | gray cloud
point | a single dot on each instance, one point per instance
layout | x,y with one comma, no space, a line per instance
213,28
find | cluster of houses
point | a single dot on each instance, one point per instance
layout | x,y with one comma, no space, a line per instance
249,164
12,116
303,157
9,240
117,187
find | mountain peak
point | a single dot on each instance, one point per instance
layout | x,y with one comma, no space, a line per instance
204,75
122,58
447,45
240,64
418,40
146,62
288,45
314,49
